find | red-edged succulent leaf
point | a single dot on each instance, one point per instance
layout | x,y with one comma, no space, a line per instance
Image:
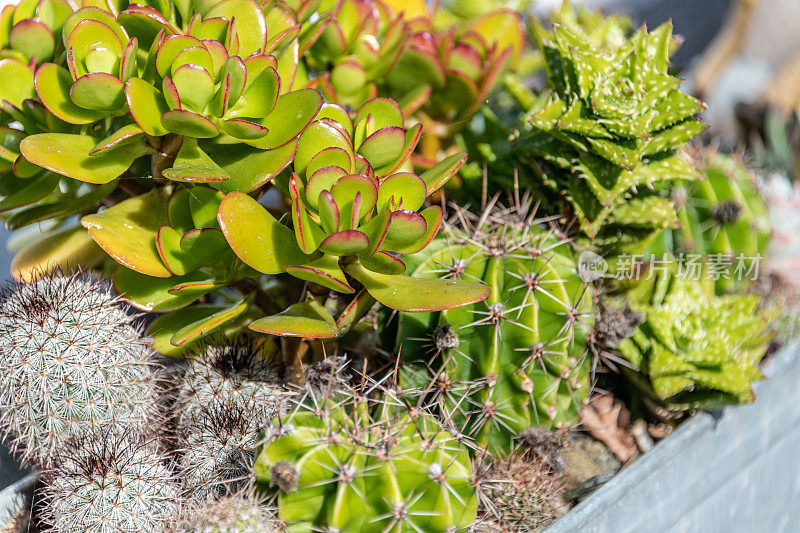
433,216
70,155
257,237
437,175
357,308
146,105
189,124
98,91
347,242
346,191
409,294
384,263
405,227
401,191
324,271
292,114
151,294
193,165
376,230
304,319
127,232
384,146
53,85
204,326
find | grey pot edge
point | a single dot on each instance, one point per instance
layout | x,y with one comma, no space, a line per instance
676,467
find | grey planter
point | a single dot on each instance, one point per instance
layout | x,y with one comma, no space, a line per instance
16,498
733,471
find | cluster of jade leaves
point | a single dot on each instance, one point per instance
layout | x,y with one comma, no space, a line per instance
174,116
164,128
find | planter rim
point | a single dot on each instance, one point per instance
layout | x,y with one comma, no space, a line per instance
687,434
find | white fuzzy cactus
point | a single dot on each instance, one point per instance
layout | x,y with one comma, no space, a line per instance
71,359
217,448
238,513
110,482
235,372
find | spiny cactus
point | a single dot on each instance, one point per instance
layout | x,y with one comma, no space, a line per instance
694,350
614,122
109,482
520,495
217,449
723,216
337,467
234,371
243,512
520,355
71,360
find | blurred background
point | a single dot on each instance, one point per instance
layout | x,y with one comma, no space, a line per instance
741,56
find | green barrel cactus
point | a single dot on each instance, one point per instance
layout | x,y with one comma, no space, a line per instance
518,359
723,217
337,467
694,350
614,122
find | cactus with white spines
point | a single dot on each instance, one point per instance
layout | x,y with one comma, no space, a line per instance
243,512
238,372
110,482
71,360
217,447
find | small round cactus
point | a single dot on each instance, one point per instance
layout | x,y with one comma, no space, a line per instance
107,482
217,448
236,372
337,466
71,359
238,513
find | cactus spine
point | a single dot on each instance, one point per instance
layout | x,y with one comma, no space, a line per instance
110,482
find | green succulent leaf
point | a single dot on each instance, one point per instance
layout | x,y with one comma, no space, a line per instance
404,293
208,324
304,319
151,294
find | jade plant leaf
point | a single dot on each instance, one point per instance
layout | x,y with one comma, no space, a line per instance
438,174
204,326
257,237
128,231
247,167
304,319
193,165
53,85
65,249
404,293
69,155
325,271
151,294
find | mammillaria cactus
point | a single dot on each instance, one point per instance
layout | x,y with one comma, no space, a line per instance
694,350
336,466
519,358
217,445
72,361
239,513
236,372
110,482
614,121
723,216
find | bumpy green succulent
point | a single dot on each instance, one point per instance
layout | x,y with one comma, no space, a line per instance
519,358
337,467
723,217
694,350
614,121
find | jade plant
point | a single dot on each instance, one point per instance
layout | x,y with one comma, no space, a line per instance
694,350
519,358
177,120
337,465
614,122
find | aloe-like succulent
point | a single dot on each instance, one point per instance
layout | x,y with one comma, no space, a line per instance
614,122
519,358
72,360
694,350
336,465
